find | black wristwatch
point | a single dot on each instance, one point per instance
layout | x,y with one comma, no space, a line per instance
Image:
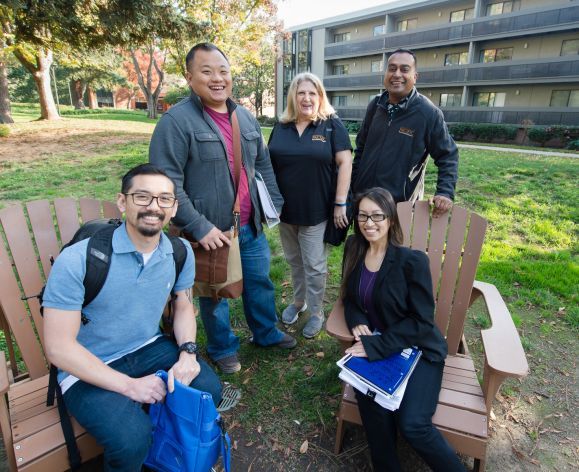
188,347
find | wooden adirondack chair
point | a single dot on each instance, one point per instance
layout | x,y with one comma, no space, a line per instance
454,250
29,237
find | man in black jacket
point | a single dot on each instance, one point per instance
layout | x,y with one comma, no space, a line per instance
400,130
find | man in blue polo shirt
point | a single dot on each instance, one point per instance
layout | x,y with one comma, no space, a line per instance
107,365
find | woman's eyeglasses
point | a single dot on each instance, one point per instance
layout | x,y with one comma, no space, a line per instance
376,217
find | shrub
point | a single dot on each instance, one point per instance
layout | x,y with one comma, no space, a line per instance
574,145
175,95
483,131
539,135
353,127
4,131
264,120
97,111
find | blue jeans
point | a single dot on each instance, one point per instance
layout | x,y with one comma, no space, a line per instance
413,419
258,301
120,424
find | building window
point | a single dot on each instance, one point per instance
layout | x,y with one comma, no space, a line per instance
379,29
456,58
461,15
570,47
377,66
341,37
564,98
489,99
341,69
405,25
450,99
339,100
499,8
495,55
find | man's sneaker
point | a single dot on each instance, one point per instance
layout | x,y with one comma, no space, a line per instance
313,326
291,313
229,364
287,342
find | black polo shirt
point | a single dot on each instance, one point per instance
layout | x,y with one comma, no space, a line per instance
304,167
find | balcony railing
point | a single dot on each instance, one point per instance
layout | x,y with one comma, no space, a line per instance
477,29
371,80
515,116
560,68
565,67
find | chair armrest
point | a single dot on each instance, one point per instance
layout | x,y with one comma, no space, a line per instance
336,325
504,352
4,379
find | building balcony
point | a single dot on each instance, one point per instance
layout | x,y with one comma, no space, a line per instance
556,69
518,23
370,80
503,115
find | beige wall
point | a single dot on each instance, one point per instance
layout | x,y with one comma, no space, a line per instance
358,65
433,94
318,41
361,30
426,57
537,46
356,99
526,4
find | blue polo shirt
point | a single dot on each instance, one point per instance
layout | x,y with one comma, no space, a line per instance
125,314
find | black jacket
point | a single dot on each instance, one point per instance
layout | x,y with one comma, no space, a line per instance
403,300
390,153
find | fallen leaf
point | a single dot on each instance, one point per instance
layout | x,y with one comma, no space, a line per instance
304,447
287,451
259,429
320,355
297,422
246,381
249,444
235,445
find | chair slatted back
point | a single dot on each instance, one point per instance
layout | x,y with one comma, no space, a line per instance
29,238
453,246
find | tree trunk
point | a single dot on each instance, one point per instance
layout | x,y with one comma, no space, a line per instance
5,111
40,70
151,107
78,87
93,103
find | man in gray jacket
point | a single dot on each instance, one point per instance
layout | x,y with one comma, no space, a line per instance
400,130
193,143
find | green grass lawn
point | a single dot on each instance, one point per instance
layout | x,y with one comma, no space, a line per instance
530,254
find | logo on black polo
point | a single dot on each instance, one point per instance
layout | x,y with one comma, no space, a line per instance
319,137
406,131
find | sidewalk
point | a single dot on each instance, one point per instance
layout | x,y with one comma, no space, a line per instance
522,151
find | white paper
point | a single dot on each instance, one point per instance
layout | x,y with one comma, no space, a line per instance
267,206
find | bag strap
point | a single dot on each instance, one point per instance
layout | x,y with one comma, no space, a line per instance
236,169
226,450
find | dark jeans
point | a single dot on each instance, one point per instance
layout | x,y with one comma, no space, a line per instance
120,424
413,419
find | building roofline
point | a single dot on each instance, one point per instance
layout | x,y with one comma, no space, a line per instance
400,5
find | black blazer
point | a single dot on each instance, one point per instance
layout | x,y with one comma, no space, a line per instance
403,300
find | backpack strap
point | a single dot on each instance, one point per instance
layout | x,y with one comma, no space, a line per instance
179,256
98,261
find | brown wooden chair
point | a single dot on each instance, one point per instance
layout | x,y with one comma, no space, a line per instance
29,237
453,247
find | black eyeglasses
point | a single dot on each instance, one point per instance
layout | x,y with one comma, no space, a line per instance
376,217
145,199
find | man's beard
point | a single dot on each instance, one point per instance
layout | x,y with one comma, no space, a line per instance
146,230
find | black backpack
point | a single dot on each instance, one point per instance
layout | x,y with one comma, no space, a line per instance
98,261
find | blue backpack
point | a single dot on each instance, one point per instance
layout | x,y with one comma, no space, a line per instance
188,432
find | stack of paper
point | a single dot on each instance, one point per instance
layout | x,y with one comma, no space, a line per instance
384,380
267,207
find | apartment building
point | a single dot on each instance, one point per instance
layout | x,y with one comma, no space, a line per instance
483,61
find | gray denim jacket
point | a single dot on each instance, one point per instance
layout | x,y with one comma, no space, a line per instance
188,145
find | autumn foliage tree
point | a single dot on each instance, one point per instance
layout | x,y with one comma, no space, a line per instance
146,69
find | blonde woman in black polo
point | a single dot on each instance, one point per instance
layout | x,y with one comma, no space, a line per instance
306,147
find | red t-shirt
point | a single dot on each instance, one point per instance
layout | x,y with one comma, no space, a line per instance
224,125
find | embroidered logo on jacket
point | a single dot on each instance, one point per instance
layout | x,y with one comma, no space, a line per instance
319,137
406,131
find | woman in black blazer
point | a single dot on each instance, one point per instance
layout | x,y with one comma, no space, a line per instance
389,306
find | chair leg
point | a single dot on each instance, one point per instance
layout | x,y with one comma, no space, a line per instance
339,436
479,465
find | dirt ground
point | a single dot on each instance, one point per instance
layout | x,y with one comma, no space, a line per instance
534,423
